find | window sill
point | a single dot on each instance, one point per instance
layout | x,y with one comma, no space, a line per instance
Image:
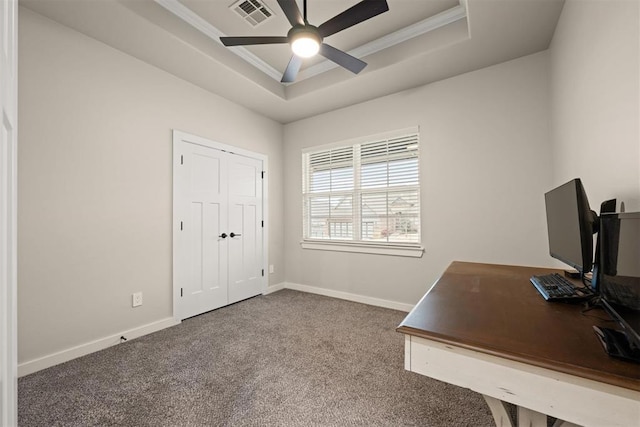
405,251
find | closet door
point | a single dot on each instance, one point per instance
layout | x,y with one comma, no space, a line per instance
218,227
202,249
245,229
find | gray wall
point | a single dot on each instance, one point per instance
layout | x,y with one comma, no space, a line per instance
595,89
95,184
485,165
493,141
95,169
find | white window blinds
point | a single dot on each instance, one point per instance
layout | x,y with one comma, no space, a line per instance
364,192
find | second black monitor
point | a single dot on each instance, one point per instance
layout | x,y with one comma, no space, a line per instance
570,225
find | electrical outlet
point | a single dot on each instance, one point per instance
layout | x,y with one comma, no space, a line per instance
271,269
136,299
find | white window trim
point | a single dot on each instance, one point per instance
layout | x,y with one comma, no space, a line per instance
415,250
362,248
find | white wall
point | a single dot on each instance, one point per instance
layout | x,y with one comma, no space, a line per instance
95,184
95,168
485,165
595,99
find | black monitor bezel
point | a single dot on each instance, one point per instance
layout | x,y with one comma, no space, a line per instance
611,307
587,223
606,207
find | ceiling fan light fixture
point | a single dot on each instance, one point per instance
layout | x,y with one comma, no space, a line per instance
305,47
305,41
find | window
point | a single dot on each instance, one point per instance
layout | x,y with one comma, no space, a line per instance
363,194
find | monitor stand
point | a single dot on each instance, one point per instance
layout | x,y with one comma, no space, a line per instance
616,344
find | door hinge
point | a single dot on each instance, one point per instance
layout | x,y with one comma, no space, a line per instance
180,291
181,159
262,175
263,272
181,228
262,224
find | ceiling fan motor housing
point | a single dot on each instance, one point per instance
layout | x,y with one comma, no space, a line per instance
305,40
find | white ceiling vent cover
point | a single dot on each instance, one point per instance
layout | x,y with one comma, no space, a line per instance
253,11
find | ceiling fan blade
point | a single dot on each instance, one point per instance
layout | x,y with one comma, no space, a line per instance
241,41
362,11
341,58
292,69
291,10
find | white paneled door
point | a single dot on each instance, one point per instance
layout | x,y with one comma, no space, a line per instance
8,209
202,249
218,225
245,227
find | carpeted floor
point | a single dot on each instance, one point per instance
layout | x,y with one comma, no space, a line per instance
285,359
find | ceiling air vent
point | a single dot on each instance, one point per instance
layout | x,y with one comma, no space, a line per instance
253,11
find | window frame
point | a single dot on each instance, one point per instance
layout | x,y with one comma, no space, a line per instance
409,249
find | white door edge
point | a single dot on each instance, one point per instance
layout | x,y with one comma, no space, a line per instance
8,212
179,139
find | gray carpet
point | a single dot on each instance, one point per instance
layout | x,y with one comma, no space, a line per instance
285,359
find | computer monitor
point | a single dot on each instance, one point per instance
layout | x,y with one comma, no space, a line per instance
608,206
620,277
570,225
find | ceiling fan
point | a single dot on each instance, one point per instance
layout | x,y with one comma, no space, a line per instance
306,40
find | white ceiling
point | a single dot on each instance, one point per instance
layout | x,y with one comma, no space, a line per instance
416,42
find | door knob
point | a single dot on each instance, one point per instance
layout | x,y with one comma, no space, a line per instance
224,235
234,234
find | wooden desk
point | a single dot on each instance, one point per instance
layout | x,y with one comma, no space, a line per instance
486,328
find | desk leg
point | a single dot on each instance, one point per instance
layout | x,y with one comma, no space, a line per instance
499,411
526,417
560,423
529,418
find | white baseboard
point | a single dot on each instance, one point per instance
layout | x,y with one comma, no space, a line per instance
274,288
50,360
349,297
44,362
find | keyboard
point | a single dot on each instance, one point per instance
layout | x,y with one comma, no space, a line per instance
555,287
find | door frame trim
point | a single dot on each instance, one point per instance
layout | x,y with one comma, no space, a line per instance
180,138
9,215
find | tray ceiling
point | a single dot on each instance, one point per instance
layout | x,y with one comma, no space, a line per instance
415,43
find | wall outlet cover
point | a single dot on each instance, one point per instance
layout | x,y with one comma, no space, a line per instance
136,299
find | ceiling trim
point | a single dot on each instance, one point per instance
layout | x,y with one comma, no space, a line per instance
419,28
193,19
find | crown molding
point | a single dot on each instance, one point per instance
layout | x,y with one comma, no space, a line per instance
419,28
193,19
432,23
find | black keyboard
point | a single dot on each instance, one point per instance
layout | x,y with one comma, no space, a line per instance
554,287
